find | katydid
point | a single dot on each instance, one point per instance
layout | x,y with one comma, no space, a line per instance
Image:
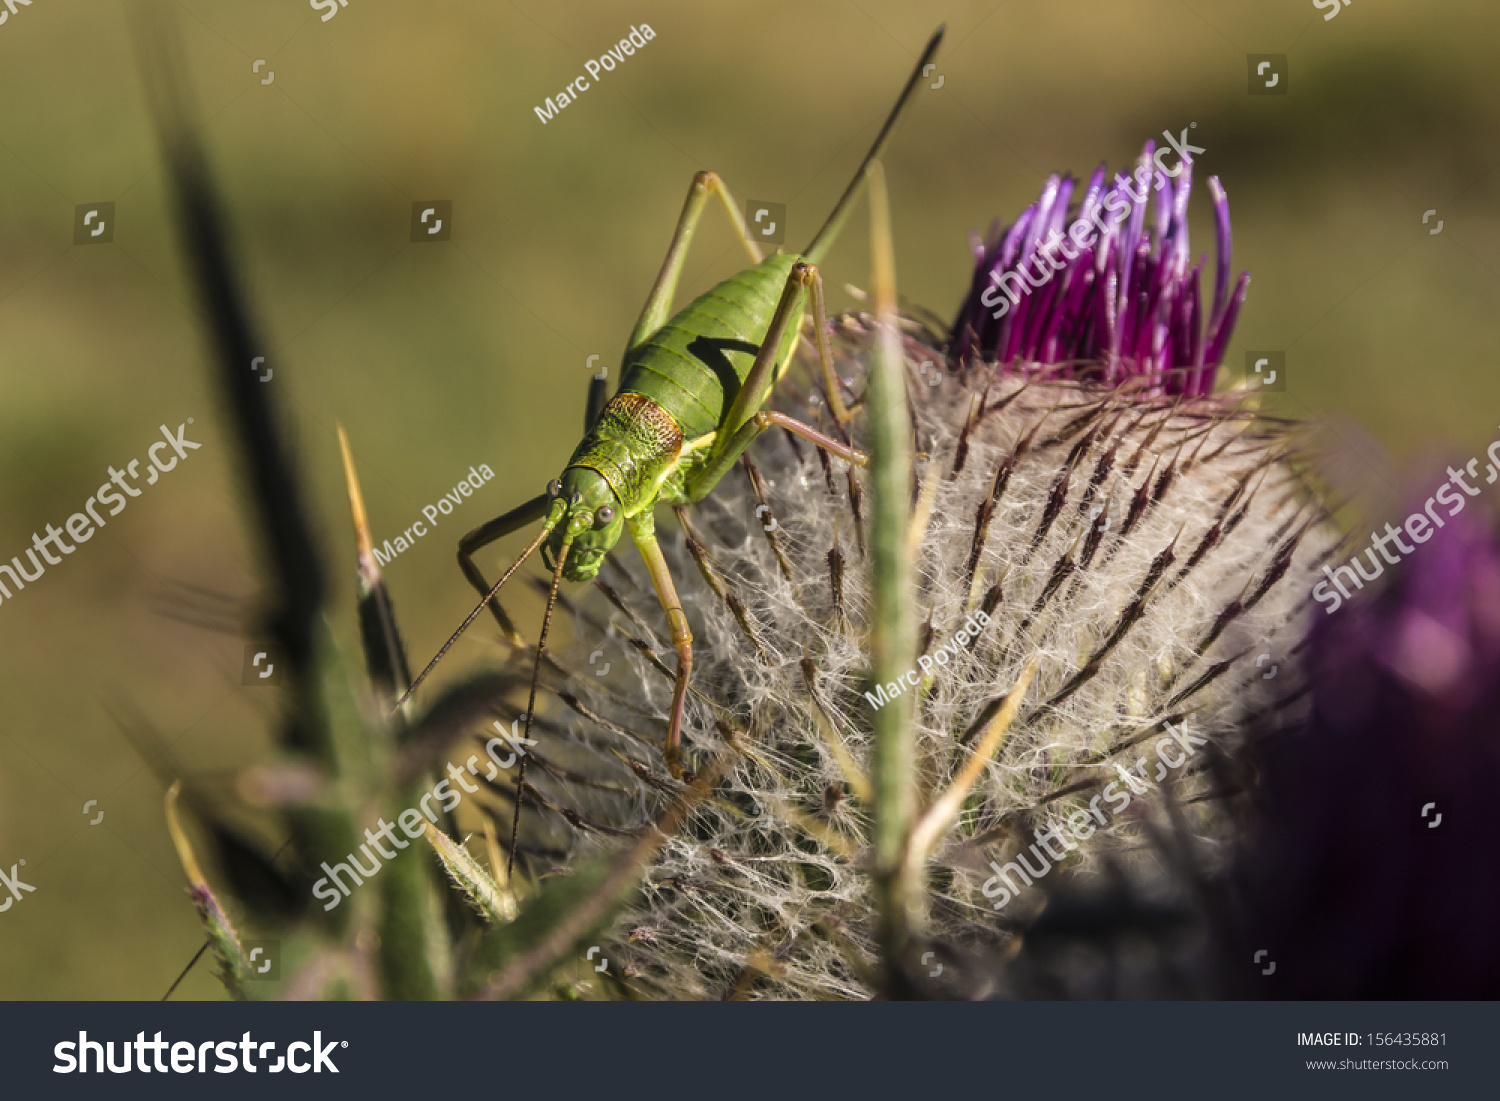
692,387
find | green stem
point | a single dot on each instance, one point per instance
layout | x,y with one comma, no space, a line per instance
893,635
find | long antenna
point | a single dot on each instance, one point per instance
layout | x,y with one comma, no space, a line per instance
536,672
464,626
824,240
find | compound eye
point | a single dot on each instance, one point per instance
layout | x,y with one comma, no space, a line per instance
605,515
554,487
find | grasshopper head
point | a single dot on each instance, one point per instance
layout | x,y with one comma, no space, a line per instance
591,517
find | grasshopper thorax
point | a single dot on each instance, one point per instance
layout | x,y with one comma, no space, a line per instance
587,515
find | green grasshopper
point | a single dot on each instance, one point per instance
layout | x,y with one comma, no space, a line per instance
689,403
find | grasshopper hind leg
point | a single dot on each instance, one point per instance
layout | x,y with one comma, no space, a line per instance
658,309
745,419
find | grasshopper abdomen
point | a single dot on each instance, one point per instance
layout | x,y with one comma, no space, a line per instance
693,366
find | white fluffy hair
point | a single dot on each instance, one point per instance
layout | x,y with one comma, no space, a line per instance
1153,555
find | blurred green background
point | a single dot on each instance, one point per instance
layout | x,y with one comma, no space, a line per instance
439,356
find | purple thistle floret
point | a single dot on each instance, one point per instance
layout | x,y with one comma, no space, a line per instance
1351,881
1087,287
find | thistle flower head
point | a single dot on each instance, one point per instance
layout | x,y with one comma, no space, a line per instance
1103,284
1138,551
1371,872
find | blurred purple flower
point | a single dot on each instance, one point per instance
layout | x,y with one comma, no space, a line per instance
1120,294
1352,882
